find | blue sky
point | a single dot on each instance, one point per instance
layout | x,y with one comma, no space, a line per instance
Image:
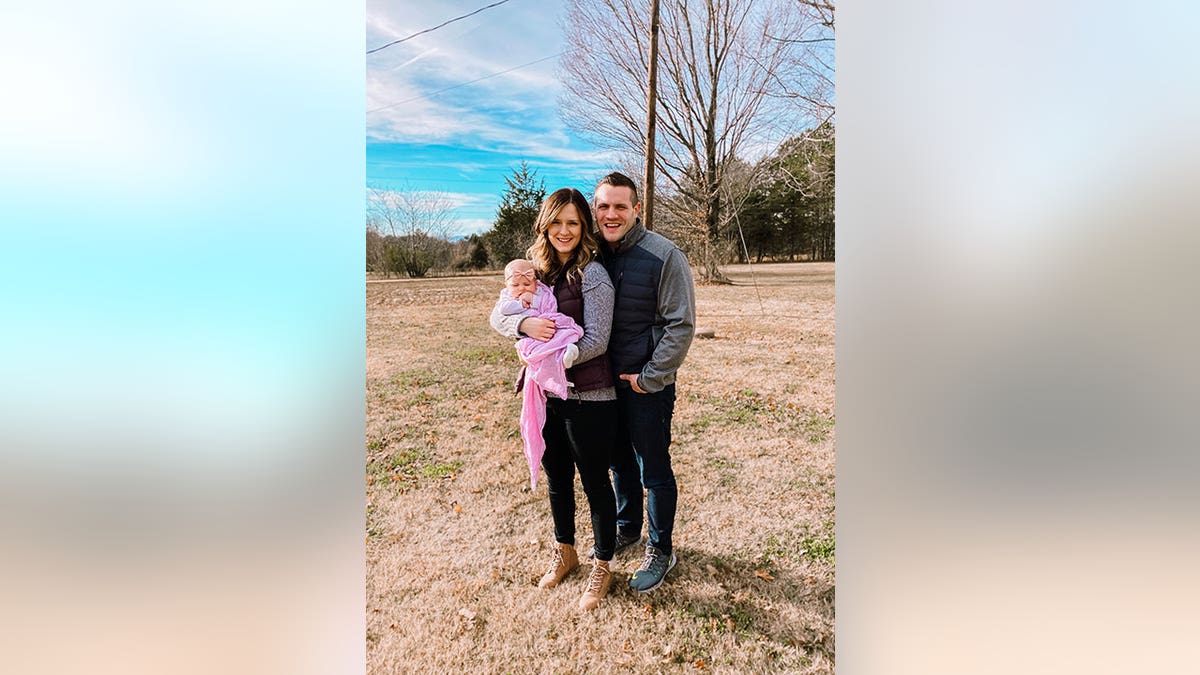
463,142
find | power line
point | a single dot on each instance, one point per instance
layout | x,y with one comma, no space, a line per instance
428,30
439,91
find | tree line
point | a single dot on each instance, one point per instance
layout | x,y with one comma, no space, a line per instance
779,208
407,230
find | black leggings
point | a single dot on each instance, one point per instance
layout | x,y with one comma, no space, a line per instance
581,434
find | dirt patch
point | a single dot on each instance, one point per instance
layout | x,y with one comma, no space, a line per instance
455,540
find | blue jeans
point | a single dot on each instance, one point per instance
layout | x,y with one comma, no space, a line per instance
641,459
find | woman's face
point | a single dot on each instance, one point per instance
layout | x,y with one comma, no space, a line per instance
565,231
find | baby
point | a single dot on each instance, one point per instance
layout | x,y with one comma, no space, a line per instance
546,362
524,294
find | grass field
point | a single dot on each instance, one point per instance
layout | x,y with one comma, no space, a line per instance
456,540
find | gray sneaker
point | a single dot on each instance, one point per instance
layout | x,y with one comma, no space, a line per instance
653,571
624,541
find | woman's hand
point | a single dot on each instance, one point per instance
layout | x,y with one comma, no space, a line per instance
538,329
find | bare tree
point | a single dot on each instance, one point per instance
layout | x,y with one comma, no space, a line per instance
808,73
376,253
810,85
414,225
725,80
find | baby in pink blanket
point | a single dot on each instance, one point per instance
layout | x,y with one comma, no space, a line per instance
545,362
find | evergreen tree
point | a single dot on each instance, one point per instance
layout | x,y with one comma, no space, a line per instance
477,258
790,212
512,231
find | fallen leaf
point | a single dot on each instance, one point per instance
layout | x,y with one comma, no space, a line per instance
457,507
476,492
763,574
699,663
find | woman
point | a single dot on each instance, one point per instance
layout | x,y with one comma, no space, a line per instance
580,430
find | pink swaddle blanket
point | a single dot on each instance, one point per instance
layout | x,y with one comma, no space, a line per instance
543,373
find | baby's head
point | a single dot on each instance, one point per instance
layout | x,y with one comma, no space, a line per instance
520,277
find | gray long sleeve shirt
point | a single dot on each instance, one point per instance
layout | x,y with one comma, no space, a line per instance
676,324
598,299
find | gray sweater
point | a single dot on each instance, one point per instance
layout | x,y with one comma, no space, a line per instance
597,324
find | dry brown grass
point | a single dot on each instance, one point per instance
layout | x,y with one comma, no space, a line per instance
455,539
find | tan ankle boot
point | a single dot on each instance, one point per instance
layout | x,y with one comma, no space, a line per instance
564,561
597,588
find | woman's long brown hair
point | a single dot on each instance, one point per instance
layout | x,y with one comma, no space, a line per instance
542,252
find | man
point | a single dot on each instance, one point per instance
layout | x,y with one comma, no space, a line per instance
654,318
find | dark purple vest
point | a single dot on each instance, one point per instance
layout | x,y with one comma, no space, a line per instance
594,373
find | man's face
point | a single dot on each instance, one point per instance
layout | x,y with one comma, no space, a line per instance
615,211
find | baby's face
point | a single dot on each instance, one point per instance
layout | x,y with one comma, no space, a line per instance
521,280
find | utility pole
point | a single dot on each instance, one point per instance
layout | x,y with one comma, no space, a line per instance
651,100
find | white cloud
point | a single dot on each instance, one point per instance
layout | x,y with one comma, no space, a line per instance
467,226
460,204
415,59
409,78
434,90
537,137
488,42
454,200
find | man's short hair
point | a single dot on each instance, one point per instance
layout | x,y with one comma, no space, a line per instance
618,179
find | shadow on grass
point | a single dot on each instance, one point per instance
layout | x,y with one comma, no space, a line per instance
732,594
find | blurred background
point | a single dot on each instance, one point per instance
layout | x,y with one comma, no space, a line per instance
181,409
1016,384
